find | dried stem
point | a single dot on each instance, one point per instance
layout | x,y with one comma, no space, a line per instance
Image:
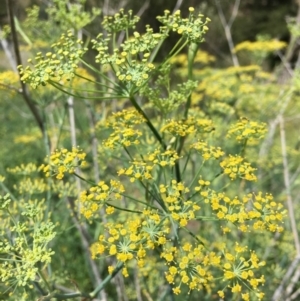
227,27
8,53
85,241
177,5
288,186
278,293
293,39
28,100
292,283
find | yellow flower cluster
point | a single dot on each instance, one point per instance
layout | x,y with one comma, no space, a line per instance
245,129
192,28
260,46
64,189
136,73
238,272
23,169
8,79
56,65
256,213
202,57
131,239
120,21
188,126
222,107
92,200
31,186
225,85
207,152
179,209
234,167
22,258
141,169
34,136
131,62
124,125
189,266
166,158
63,161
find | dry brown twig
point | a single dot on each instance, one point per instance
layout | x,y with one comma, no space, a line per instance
227,27
280,292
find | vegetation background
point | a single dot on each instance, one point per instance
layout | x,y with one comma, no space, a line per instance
259,82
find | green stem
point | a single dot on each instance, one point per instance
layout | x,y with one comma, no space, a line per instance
186,162
45,280
181,47
61,123
21,32
149,123
194,236
206,218
244,147
4,187
138,201
196,176
100,73
85,180
98,289
123,209
191,57
95,82
57,86
156,49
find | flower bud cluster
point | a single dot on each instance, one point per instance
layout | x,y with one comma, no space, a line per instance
192,28
54,66
63,161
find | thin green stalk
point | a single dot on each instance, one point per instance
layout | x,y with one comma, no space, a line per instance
113,41
168,58
57,86
124,209
191,57
197,175
119,267
194,236
85,180
61,124
39,288
65,296
175,228
186,162
156,49
99,73
4,187
47,145
159,199
206,218
44,280
244,148
21,32
176,45
138,201
95,82
149,123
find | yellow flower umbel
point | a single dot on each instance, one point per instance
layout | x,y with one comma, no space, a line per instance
96,197
239,272
251,213
124,125
234,167
63,161
245,130
186,267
